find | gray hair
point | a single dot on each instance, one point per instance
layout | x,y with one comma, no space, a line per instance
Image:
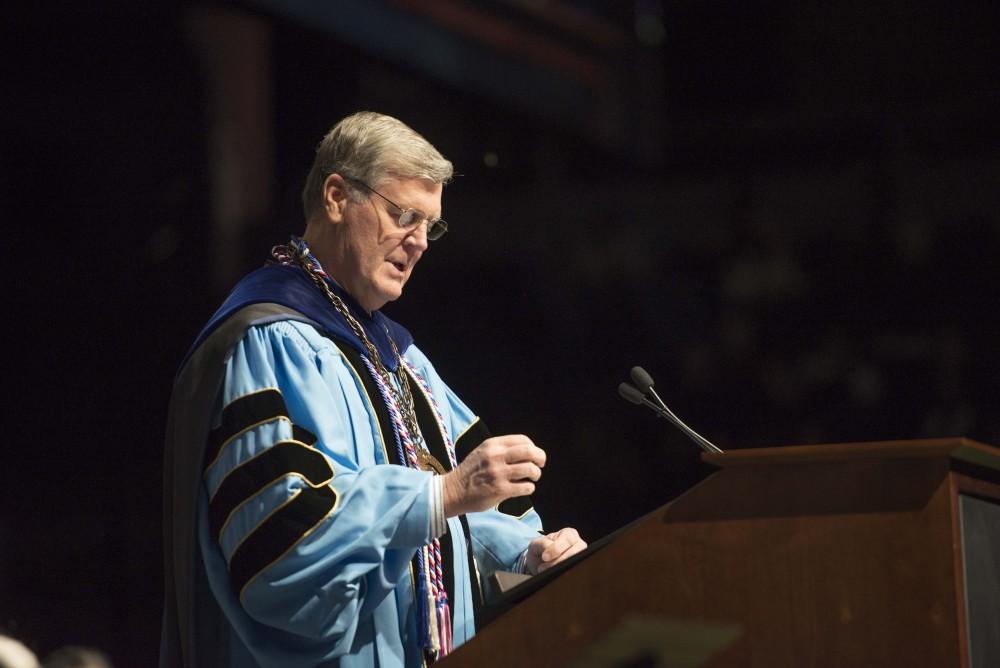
370,147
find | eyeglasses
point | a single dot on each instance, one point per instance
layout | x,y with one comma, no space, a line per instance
410,219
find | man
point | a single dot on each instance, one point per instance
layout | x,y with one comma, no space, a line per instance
330,501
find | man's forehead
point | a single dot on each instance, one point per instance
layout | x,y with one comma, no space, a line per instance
414,182
415,192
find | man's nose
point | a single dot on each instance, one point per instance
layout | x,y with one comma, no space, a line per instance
417,237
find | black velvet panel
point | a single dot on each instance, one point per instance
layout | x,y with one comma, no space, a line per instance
371,387
471,439
431,432
516,506
477,586
247,479
242,414
279,533
435,441
304,435
429,428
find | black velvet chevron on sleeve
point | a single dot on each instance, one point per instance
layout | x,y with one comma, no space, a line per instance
248,479
296,457
242,414
279,533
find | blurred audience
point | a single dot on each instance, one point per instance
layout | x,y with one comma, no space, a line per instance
13,654
77,657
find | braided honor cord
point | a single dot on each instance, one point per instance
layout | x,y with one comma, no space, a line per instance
434,614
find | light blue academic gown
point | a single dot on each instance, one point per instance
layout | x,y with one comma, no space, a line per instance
339,591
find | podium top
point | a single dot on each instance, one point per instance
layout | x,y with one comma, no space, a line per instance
959,449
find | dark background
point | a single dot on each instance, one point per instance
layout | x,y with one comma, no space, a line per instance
786,211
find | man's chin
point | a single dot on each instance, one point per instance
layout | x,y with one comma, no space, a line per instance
390,294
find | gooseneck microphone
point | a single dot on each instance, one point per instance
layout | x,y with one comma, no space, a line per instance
640,392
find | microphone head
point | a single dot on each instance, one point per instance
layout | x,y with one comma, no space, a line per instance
630,393
642,380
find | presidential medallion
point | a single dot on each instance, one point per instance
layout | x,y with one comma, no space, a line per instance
429,462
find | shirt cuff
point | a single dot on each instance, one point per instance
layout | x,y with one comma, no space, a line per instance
521,565
439,524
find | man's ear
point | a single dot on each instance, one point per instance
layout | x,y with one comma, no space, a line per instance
334,197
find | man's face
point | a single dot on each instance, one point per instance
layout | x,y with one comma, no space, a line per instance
378,257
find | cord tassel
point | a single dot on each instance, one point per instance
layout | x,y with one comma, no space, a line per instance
433,628
433,612
444,623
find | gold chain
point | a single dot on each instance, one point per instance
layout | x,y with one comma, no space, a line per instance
403,396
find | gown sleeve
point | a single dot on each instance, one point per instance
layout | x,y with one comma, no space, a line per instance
314,526
501,534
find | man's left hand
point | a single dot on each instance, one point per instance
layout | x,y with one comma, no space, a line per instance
548,550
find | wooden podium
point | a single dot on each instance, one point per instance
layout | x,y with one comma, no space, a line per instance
865,554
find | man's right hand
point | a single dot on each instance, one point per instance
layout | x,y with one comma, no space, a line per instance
499,468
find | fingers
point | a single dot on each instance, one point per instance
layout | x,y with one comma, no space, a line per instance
521,489
498,469
521,449
559,546
523,472
559,542
522,464
537,547
547,551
